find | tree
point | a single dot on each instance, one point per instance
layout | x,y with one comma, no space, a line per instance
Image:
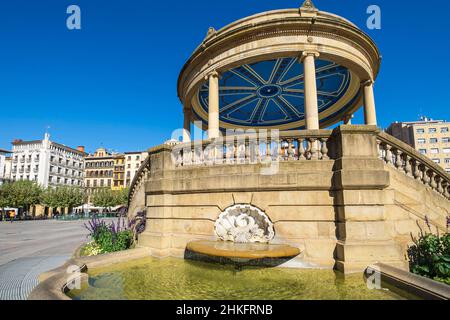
108,198
104,198
122,197
64,197
20,194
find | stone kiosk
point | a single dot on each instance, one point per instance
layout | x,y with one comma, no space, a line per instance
347,197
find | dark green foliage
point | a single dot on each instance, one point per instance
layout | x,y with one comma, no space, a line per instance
430,256
112,237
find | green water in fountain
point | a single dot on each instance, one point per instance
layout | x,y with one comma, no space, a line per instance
173,278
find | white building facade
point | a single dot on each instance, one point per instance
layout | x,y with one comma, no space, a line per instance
5,166
133,161
47,163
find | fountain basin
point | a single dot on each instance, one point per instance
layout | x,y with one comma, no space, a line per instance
253,254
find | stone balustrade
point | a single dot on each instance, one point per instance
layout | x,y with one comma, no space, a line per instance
296,145
409,161
251,149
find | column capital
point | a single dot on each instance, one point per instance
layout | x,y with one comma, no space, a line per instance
213,73
305,54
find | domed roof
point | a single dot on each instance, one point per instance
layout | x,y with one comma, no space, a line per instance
261,79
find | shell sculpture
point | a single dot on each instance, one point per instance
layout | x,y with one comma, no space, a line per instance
244,223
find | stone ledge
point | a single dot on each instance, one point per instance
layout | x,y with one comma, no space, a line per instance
410,282
54,285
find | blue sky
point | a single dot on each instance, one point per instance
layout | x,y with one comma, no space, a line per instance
114,81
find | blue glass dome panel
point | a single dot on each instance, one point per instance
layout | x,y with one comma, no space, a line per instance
271,92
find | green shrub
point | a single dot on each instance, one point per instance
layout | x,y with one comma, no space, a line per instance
430,255
91,249
110,238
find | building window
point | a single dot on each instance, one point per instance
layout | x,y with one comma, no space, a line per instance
421,141
447,170
433,140
437,161
434,150
420,131
446,150
447,160
432,130
446,140
444,129
423,151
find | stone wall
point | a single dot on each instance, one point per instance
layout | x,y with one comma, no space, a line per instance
346,212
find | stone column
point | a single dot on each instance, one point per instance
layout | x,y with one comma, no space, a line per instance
187,125
213,107
311,106
159,205
370,115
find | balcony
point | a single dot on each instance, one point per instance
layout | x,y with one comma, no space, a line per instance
28,170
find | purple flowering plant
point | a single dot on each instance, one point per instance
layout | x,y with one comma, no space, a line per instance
112,237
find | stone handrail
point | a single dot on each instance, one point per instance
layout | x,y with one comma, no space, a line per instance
251,148
295,145
144,168
415,165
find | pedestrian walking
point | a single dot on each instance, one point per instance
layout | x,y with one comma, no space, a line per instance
12,214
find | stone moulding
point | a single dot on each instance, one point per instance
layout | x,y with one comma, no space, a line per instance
54,283
244,223
396,278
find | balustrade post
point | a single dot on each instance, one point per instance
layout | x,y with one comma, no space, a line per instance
290,150
237,153
247,150
425,176
417,172
388,155
314,149
218,151
446,191
398,159
433,183
439,188
379,148
324,149
230,152
408,168
301,149
268,142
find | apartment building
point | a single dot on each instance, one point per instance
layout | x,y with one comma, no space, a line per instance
5,166
430,137
133,161
47,163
